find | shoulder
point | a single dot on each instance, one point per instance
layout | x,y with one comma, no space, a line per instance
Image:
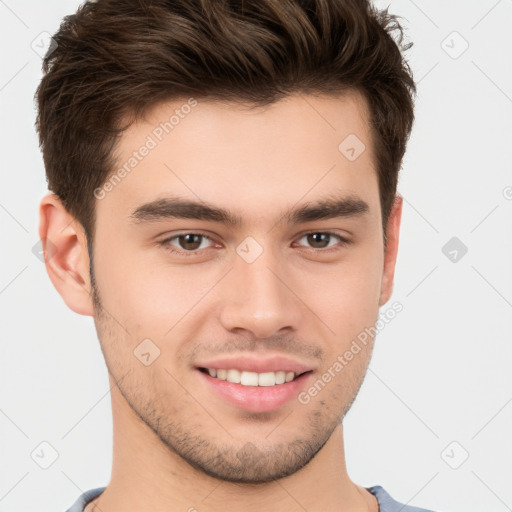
389,504
85,498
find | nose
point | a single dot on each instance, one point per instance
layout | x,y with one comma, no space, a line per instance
260,298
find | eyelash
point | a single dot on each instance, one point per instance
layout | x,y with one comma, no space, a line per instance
166,243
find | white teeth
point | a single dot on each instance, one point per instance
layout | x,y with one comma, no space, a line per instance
252,378
267,379
249,379
233,376
280,377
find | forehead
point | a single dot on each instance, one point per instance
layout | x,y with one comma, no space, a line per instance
250,159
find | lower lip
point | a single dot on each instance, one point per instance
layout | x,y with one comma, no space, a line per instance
257,398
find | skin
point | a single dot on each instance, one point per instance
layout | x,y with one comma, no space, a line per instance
294,300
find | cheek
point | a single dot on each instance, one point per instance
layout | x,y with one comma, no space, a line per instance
153,299
346,296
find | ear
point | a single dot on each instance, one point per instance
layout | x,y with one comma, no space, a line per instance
65,251
390,250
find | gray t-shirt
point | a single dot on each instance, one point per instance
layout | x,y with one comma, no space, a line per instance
386,502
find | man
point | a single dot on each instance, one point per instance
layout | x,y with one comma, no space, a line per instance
223,204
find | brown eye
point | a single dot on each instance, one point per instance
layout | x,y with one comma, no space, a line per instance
318,240
186,244
322,239
190,242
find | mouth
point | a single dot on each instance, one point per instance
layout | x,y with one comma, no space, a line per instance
252,391
253,379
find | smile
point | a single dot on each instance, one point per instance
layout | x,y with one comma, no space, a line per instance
246,378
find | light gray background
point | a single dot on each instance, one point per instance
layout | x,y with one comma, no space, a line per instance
439,384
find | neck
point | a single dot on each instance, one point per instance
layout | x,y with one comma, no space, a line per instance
147,475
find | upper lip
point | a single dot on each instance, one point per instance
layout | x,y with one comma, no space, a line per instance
257,364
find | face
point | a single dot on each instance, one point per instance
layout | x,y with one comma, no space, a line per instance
280,262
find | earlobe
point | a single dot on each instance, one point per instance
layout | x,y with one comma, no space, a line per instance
66,259
391,250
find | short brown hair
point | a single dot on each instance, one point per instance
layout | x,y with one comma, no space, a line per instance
115,58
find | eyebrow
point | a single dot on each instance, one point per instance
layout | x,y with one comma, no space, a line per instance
179,208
